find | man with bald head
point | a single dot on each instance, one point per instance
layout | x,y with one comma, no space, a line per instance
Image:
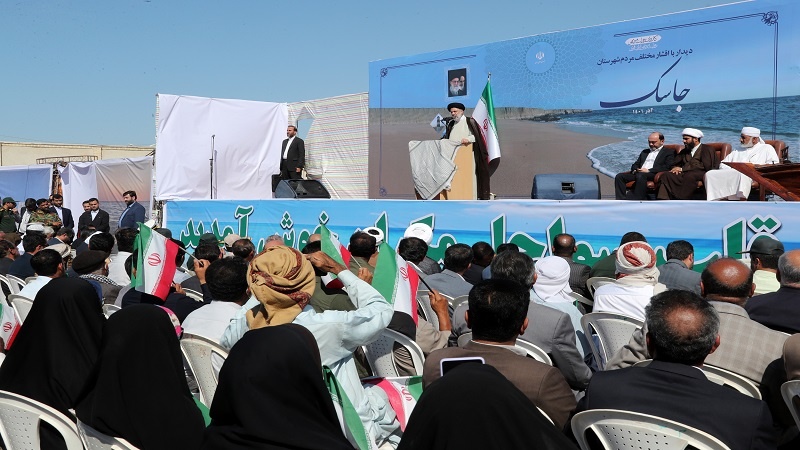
729,184
682,330
689,167
655,158
564,246
780,310
747,348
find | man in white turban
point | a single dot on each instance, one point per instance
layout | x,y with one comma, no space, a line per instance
688,167
729,184
637,281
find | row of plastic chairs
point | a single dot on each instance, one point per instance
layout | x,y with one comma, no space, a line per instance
20,417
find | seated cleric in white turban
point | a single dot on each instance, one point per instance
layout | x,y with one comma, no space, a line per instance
730,184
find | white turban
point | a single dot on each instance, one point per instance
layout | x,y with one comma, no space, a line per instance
420,230
637,260
693,132
750,131
552,281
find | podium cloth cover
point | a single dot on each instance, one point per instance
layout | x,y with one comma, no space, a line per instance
432,166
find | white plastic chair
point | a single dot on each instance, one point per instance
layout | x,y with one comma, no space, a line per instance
531,349
194,295
424,306
109,309
613,331
626,430
95,440
19,423
579,298
198,352
22,305
790,390
457,302
16,283
534,351
380,354
595,282
724,377
5,286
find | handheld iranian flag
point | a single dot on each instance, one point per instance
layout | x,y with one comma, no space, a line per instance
484,115
333,248
10,324
155,262
402,392
396,281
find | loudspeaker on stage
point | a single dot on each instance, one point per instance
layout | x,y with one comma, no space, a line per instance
301,189
566,186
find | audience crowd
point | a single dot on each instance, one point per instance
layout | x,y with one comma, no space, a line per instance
297,325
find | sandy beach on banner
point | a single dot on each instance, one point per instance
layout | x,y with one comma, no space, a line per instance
528,148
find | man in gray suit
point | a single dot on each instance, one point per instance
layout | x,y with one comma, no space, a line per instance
497,314
748,348
451,282
548,328
677,272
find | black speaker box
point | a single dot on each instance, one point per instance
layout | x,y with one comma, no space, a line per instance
301,189
566,186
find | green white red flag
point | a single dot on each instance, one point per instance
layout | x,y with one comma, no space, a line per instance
484,115
396,280
155,262
10,324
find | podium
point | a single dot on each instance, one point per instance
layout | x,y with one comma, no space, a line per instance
463,185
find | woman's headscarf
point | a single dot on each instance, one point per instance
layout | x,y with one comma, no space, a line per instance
52,357
138,390
283,281
552,281
475,407
271,395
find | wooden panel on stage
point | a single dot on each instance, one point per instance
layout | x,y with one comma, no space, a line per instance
463,184
782,179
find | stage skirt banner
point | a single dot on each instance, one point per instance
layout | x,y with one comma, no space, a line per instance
240,139
714,228
21,182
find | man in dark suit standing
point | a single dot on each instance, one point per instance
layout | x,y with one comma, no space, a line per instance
293,155
651,160
134,212
95,219
682,330
65,214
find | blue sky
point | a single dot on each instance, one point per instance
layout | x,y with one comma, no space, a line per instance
88,72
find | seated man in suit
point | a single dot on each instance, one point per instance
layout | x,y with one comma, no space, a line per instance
749,348
451,282
677,272
780,310
548,328
497,315
652,160
682,330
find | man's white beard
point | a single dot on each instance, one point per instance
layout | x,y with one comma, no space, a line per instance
454,90
749,145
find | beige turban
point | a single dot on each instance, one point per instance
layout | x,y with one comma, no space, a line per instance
283,281
552,280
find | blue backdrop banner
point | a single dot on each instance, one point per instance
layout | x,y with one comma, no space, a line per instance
714,229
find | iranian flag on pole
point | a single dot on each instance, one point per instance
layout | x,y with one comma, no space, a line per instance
155,262
10,324
396,281
484,115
